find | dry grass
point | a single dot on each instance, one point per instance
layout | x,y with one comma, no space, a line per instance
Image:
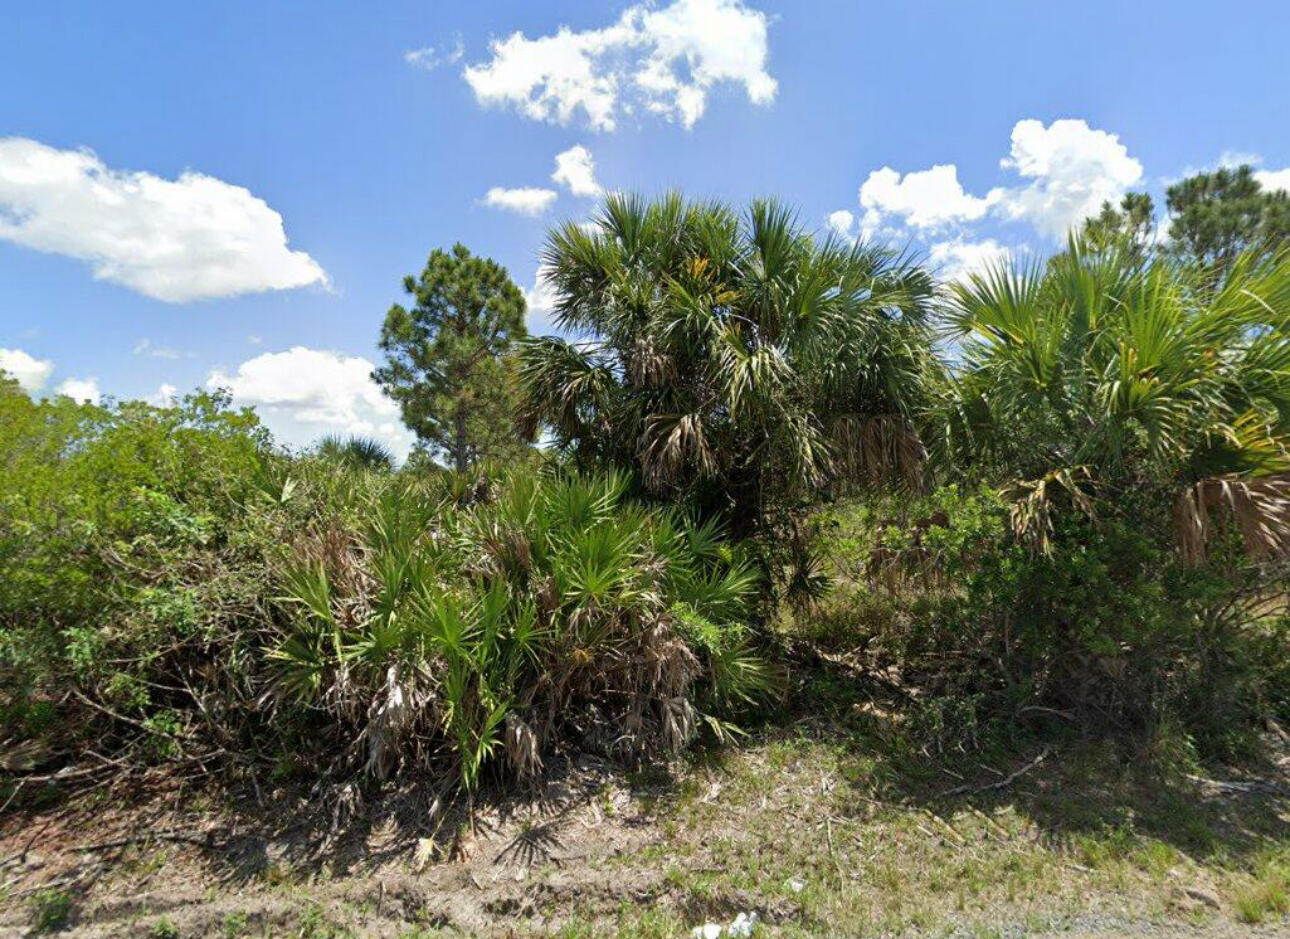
820,828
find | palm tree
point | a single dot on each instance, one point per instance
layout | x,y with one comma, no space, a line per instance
363,453
1101,375
732,360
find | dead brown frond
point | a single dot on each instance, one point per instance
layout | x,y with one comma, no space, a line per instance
523,749
339,552
648,366
401,704
873,450
505,550
1033,503
669,442
680,721
1260,507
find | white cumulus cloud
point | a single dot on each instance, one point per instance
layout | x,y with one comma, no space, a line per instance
1066,171
164,396
1073,169
191,238
929,198
665,60
1274,179
576,170
957,259
528,200
540,303
30,372
841,222
304,393
81,389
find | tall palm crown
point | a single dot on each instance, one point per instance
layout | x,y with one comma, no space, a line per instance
1130,374
726,357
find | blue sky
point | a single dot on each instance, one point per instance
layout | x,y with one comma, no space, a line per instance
230,193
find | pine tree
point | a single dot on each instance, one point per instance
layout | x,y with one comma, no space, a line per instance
446,357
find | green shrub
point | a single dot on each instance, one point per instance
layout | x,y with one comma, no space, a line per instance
178,591
438,633
126,553
164,928
1107,630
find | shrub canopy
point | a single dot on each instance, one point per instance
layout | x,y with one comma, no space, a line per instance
1100,374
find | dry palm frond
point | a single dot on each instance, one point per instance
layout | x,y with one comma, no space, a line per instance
396,710
390,717
649,366
665,660
346,804
669,441
1032,502
1260,506
339,553
504,550
680,721
879,449
522,747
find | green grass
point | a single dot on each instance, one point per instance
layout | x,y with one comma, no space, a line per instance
51,910
163,928
235,925
1267,897
860,828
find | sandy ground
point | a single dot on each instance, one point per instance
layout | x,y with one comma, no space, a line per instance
590,852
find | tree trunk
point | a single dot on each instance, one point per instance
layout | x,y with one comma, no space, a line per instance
460,454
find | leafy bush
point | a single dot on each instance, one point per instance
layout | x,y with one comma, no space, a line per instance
445,633
121,545
165,574
1133,415
1109,630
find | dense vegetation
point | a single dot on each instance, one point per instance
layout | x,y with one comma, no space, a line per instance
1069,513
732,363
192,595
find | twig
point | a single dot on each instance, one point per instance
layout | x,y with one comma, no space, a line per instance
1254,785
957,838
13,795
828,829
207,842
1064,715
1002,783
127,720
65,774
56,882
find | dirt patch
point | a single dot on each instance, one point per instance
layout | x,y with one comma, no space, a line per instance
404,862
805,828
